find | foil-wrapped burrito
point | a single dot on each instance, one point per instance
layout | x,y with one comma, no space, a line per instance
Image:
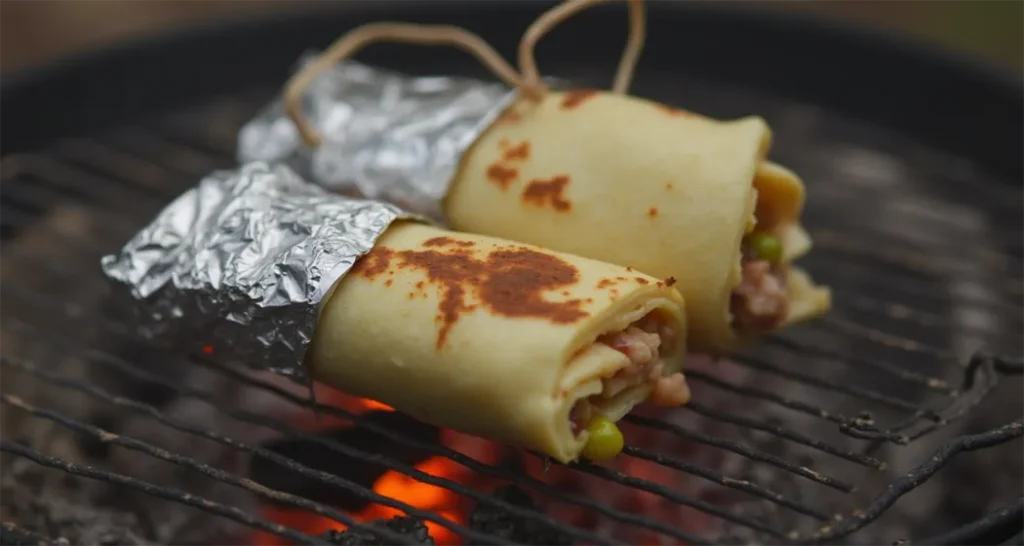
509,341
599,174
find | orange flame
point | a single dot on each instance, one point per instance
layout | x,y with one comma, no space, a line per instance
392,484
455,507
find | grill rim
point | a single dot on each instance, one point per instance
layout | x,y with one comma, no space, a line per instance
893,63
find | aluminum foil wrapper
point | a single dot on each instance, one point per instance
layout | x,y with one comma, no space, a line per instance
385,135
238,265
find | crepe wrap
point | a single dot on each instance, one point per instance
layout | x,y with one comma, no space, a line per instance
468,332
637,183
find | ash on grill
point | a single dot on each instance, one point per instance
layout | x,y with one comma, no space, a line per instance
408,527
86,511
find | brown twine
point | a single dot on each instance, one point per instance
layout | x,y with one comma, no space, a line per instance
359,38
528,82
533,88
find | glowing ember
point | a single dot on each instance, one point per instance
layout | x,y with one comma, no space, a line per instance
393,484
456,508
400,487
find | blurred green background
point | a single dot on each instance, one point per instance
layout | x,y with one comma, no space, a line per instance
34,31
991,29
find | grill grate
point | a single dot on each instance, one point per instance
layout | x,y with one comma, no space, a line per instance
891,352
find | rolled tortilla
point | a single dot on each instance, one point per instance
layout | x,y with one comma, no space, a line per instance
633,182
494,338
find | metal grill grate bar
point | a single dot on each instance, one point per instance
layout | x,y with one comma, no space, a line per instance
889,368
928,289
753,392
829,385
973,532
887,340
782,432
144,143
923,318
167,493
20,219
13,535
919,475
741,449
71,180
909,250
264,492
740,484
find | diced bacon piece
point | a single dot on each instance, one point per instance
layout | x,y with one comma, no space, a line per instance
760,303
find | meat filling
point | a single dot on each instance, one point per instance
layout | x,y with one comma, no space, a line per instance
640,343
760,303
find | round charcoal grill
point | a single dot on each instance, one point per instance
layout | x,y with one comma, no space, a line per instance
897,417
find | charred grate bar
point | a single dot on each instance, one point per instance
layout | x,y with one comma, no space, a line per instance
891,325
13,535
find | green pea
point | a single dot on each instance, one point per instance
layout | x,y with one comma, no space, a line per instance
605,440
766,247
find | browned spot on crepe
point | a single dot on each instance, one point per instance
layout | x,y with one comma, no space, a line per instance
668,186
520,151
372,264
502,172
509,281
642,280
502,175
510,116
670,281
574,98
548,192
446,241
652,212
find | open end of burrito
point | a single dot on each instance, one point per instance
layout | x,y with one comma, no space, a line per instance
635,367
771,292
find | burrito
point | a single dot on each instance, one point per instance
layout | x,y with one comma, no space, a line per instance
598,174
512,342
